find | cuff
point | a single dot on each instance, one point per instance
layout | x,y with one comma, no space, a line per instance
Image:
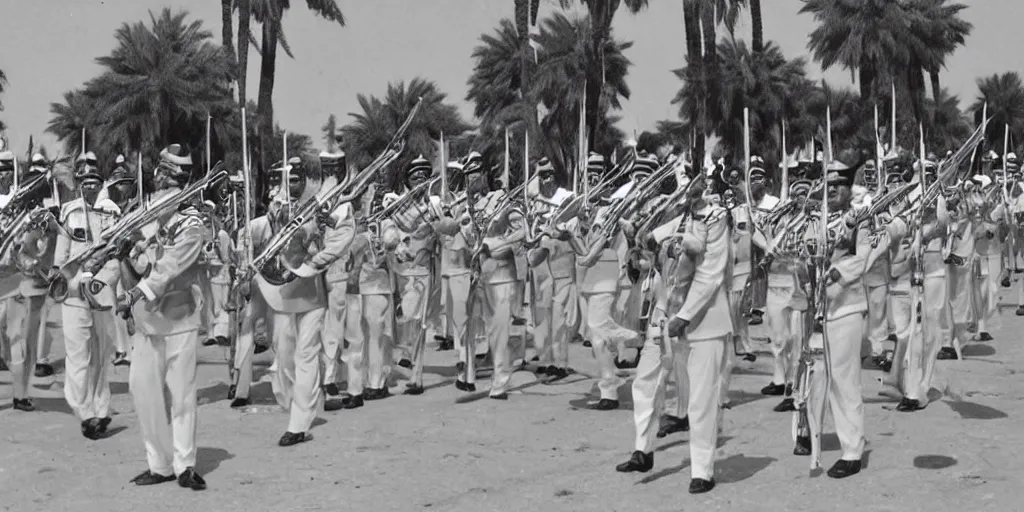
146,291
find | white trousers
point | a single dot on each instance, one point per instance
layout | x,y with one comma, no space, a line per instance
785,324
961,301
220,320
166,364
370,335
88,343
554,300
605,334
652,374
296,382
877,318
245,348
23,320
844,396
497,315
705,363
986,292
334,332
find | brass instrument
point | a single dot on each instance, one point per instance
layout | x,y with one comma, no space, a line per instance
571,209
110,240
408,209
344,192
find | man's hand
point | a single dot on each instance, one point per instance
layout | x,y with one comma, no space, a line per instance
126,300
677,327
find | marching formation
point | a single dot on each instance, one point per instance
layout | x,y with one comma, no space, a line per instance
654,263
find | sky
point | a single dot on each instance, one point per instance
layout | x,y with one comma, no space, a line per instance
48,47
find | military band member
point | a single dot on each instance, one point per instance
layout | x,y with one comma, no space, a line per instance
338,234
163,301
413,263
876,281
297,303
454,232
87,314
121,197
553,264
599,254
960,247
989,237
847,306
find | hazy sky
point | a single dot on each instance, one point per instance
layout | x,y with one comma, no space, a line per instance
49,47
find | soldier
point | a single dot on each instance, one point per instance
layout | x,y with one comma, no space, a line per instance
989,235
24,268
38,167
496,248
553,263
846,308
297,304
454,233
87,314
599,255
960,247
164,305
876,281
412,267
339,231
370,347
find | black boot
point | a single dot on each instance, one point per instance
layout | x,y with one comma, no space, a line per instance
293,438
802,447
909,405
701,486
773,389
671,424
640,462
786,405
844,468
947,353
149,478
189,479
604,404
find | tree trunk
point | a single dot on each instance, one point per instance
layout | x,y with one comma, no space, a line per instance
709,70
936,86
601,13
866,77
265,107
691,23
244,14
757,40
226,30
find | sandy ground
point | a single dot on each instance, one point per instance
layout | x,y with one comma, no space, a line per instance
540,449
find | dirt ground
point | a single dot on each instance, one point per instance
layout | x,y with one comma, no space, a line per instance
540,449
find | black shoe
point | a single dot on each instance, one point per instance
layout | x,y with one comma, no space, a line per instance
671,424
802,447
541,370
89,428
44,370
121,359
332,389
909,405
332,404
786,405
946,353
444,343
892,337
24,404
756,318
413,389
886,362
701,486
102,424
352,402
1020,311
223,341
586,343
150,478
844,468
240,402
640,462
603,404
189,479
260,348
500,396
292,438
773,389
209,342
464,386
555,374
749,357
984,336
376,394
1005,282
405,363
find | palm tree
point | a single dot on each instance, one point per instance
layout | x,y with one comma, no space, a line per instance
886,41
270,13
1004,95
161,82
244,35
757,26
371,129
763,82
601,13
3,83
226,31
567,60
